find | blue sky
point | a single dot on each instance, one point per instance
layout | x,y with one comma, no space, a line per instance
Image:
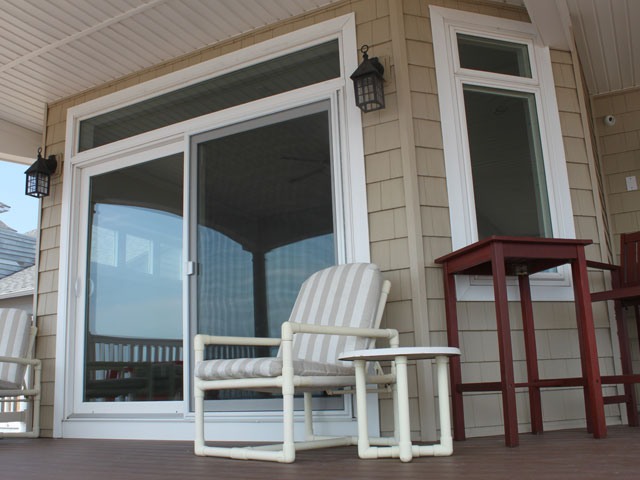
23,215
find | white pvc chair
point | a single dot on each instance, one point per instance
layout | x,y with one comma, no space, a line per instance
18,384
338,309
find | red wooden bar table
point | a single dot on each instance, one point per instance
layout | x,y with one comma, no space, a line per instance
500,257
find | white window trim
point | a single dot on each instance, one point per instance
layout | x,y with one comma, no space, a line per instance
174,417
445,23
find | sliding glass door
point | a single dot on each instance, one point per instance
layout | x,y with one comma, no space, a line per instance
263,223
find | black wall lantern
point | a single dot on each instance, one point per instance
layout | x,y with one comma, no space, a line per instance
39,175
368,83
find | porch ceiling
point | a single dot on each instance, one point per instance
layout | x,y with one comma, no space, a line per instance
51,50
606,35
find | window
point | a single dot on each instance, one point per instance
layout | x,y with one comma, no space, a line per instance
504,157
490,55
506,163
281,74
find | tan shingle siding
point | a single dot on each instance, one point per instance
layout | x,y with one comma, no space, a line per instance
620,152
388,212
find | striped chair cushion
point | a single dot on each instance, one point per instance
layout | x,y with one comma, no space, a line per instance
264,367
340,296
238,368
343,295
14,342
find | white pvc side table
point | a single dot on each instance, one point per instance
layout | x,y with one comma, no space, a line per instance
401,446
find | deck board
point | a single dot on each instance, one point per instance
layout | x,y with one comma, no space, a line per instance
569,454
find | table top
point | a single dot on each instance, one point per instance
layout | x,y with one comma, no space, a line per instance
415,353
522,255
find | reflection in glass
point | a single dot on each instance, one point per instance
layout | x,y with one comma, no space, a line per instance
509,182
497,56
282,74
134,284
265,223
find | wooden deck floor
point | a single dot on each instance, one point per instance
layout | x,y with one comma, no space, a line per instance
565,454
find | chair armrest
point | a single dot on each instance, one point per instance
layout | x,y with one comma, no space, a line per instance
21,361
292,327
603,266
201,340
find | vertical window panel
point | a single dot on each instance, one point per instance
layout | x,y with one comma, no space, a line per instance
264,224
509,183
133,329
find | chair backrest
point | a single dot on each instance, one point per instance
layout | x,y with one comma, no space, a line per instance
630,259
343,295
15,329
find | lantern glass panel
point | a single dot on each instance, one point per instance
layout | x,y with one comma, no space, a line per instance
369,93
38,184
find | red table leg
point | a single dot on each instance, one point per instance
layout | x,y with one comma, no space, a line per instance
504,347
535,401
588,349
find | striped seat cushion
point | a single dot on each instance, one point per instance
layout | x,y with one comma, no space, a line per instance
343,295
14,342
264,367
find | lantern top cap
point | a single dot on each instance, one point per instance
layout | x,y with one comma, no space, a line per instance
42,165
368,65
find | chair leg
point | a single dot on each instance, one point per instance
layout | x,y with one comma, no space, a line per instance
37,384
308,416
627,368
35,425
288,446
198,443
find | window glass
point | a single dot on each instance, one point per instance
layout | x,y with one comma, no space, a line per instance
506,161
133,336
282,74
490,55
287,267
265,224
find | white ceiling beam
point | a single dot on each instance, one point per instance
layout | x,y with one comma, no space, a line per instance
551,18
18,144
